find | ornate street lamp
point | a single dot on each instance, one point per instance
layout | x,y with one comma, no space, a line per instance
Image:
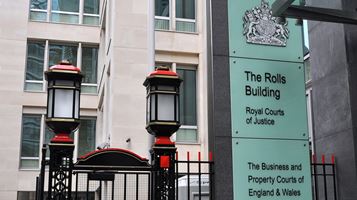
162,108
162,120
63,104
63,100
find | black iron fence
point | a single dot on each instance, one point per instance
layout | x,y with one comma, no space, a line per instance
194,178
324,178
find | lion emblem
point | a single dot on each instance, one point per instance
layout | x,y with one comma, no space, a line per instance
260,27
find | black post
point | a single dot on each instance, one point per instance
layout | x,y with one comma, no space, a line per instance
37,188
60,172
325,181
316,186
42,172
211,178
334,180
163,174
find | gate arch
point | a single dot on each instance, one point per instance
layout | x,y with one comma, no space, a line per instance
112,158
112,173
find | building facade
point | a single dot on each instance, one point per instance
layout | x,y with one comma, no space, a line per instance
108,41
333,63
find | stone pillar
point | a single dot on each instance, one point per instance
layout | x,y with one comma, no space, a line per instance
219,109
334,79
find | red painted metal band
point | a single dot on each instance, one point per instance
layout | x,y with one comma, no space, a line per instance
62,138
163,73
65,67
164,140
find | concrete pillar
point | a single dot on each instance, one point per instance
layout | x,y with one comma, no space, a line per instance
219,109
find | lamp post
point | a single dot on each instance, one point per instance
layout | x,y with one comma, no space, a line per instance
162,120
63,103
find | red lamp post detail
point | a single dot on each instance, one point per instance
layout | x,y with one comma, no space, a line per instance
165,162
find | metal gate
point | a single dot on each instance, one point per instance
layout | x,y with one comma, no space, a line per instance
112,185
112,174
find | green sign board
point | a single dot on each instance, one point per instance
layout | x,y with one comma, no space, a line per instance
271,169
268,99
268,104
250,22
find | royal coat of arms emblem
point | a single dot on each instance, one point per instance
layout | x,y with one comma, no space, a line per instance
260,27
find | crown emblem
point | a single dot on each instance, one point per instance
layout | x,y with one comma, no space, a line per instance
260,27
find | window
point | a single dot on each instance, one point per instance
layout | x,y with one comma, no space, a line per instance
188,108
30,142
59,52
35,133
65,11
86,136
38,10
185,15
188,103
185,19
91,12
37,64
162,14
34,65
89,69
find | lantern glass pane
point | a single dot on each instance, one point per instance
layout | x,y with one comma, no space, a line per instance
63,103
166,107
153,107
76,105
78,84
147,109
177,108
50,83
64,83
50,103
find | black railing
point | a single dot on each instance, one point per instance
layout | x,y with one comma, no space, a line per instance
110,185
324,179
194,178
